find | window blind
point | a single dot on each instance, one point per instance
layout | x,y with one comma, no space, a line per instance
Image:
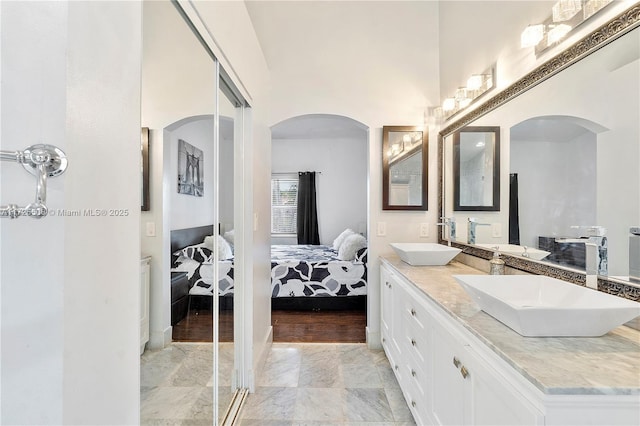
284,202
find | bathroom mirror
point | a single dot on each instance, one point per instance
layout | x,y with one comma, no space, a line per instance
404,171
144,182
574,158
476,169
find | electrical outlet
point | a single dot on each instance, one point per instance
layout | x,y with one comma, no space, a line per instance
382,229
424,230
496,230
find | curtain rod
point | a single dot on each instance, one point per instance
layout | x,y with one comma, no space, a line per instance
293,173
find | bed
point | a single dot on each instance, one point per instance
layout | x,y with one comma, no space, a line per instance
303,277
314,277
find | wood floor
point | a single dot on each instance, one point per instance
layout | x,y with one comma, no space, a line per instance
288,326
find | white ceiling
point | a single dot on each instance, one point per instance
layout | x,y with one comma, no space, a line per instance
333,54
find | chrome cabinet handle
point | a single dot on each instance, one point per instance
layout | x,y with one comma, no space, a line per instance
413,403
464,372
396,367
413,312
413,373
456,362
413,342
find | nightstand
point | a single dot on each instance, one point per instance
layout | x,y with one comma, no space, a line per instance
179,296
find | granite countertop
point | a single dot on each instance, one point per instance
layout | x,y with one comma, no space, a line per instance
607,365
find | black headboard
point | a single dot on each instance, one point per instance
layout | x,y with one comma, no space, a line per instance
181,238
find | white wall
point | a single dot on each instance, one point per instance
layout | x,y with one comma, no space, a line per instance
557,188
188,211
70,326
341,188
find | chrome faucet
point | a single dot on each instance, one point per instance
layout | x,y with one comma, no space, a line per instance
471,229
449,222
591,258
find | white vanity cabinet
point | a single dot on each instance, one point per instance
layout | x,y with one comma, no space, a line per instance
444,379
145,267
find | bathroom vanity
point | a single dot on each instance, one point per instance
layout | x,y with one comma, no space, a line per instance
457,365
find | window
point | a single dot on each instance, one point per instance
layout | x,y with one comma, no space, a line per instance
284,204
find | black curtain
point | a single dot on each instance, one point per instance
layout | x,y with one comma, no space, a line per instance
307,209
514,220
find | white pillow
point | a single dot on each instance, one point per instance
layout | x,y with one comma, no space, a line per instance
340,238
350,246
224,249
208,242
229,236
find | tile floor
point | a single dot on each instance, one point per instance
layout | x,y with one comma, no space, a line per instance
176,384
326,384
302,384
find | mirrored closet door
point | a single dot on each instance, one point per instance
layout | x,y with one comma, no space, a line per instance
195,118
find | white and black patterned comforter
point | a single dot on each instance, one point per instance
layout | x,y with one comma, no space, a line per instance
197,262
316,271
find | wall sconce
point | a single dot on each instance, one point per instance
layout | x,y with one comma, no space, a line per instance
557,33
477,85
565,10
564,17
532,35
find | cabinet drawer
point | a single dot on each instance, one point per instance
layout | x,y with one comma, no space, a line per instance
415,343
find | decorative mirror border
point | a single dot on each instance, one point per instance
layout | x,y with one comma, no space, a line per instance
610,31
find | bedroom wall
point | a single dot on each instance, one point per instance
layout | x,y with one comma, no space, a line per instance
69,326
341,188
188,211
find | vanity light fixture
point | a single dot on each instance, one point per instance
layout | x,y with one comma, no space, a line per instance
557,33
475,82
564,10
532,35
448,104
592,6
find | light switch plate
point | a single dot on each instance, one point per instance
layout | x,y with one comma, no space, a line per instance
496,230
424,230
382,229
151,229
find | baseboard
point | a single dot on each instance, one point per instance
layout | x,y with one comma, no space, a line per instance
373,339
160,339
261,360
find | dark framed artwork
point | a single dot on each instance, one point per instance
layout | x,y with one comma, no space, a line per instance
190,169
145,204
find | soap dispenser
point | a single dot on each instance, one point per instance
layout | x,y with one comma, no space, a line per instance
496,265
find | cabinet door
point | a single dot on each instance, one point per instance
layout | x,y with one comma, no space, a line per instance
448,383
386,297
494,402
144,303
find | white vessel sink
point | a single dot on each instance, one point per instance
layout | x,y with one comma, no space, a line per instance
421,254
516,250
541,306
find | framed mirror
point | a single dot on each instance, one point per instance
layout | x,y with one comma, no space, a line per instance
404,168
145,204
573,160
476,169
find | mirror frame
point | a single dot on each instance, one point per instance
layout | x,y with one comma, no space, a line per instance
605,34
145,204
495,204
385,167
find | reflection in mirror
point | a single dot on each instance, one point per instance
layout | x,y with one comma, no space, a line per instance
570,165
404,171
476,169
144,149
